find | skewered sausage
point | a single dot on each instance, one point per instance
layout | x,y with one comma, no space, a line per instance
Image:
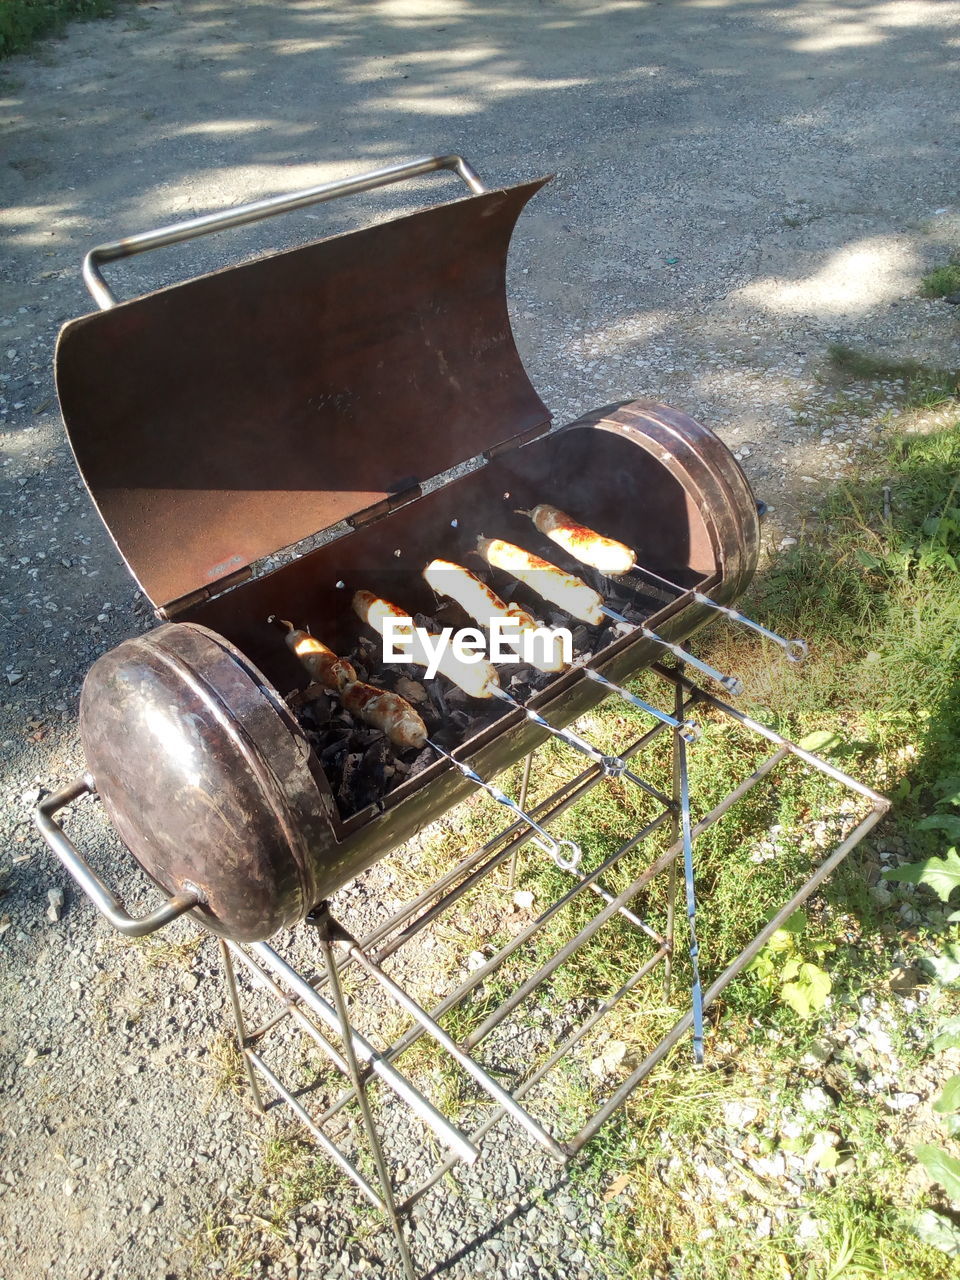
483,604
323,665
474,678
585,545
386,711
563,589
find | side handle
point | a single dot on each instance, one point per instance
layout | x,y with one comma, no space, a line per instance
106,902
246,213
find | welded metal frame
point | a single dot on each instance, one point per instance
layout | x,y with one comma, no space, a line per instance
317,1004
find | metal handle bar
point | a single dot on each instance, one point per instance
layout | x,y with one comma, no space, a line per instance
246,213
107,903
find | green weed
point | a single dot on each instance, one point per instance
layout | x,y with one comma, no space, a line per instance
22,22
942,280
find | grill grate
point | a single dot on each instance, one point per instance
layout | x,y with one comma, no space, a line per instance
472,1026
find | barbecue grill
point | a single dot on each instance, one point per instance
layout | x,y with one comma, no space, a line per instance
365,388
231,416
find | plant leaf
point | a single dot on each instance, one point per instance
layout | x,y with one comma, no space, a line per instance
948,1035
942,875
820,740
818,982
946,967
951,1125
948,789
866,559
940,1232
949,1100
809,993
947,822
797,996
943,1168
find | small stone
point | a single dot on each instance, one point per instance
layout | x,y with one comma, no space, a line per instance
737,1115
475,960
818,1053
31,1057
189,981
68,1188
55,909
815,1100
149,1206
523,899
905,979
14,677
903,1101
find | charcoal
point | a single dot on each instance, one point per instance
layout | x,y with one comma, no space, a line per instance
439,701
373,767
459,719
412,690
422,761
455,699
347,789
329,752
316,713
521,675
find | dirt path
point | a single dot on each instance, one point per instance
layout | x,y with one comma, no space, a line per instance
739,185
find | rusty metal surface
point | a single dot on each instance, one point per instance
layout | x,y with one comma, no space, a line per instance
234,414
204,776
609,466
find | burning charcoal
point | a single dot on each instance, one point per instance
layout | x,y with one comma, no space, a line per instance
316,713
372,773
347,788
459,719
422,761
412,690
436,693
455,699
521,675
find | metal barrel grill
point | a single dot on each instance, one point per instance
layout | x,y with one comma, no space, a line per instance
366,388
236,414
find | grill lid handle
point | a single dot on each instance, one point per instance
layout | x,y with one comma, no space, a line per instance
245,213
106,902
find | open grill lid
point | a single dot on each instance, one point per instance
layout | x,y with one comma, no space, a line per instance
235,414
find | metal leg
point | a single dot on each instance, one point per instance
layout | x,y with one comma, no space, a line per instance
240,1025
316,1004
363,1102
522,802
670,931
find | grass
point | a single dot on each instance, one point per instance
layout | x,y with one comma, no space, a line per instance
925,387
942,280
875,588
878,597
24,22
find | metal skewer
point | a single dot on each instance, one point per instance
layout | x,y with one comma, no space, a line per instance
795,650
732,684
612,766
565,853
688,730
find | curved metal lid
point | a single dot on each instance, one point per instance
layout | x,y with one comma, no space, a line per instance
224,418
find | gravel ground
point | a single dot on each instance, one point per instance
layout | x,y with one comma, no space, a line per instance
738,186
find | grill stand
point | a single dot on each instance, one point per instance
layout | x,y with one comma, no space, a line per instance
326,1018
